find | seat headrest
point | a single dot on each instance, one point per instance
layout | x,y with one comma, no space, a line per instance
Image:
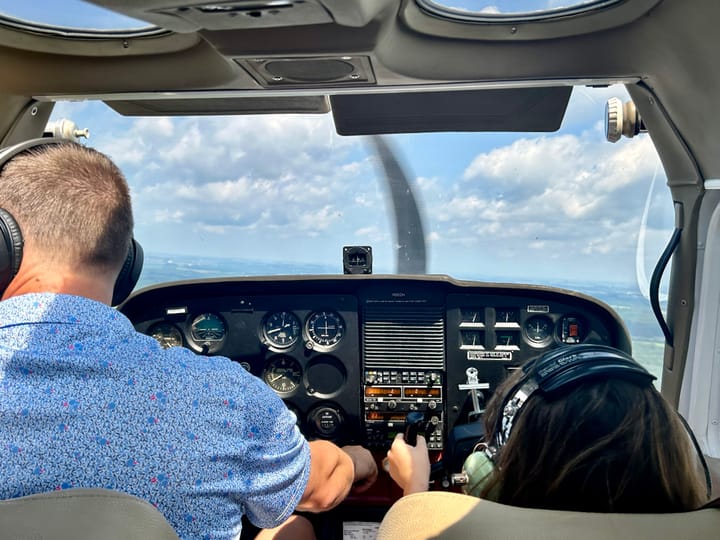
452,516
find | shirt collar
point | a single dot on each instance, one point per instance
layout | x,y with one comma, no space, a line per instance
60,309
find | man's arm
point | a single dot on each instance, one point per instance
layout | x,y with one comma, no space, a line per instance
332,473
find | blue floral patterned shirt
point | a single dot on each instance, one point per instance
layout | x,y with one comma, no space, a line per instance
86,401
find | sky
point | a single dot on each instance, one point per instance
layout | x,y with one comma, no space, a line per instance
539,208
510,6
496,206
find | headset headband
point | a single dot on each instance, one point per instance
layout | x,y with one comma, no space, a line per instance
558,370
6,154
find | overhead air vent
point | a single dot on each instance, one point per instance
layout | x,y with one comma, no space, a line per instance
341,70
400,336
240,14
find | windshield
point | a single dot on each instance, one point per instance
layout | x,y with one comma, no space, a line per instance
271,195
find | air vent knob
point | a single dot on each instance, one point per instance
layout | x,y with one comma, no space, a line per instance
622,119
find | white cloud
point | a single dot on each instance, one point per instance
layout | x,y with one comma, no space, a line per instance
372,235
163,215
160,126
212,229
288,187
320,220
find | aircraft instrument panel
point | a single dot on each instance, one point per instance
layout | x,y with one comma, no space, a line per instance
353,355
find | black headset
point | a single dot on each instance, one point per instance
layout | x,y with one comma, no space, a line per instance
557,370
11,240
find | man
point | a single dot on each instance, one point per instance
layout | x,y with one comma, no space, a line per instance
86,401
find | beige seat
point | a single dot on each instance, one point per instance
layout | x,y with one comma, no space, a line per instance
460,517
79,514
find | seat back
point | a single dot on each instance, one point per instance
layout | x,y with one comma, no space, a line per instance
452,516
79,514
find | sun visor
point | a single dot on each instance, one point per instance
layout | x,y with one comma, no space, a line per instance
221,106
515,109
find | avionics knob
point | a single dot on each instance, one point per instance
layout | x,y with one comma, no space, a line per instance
392,404
432,404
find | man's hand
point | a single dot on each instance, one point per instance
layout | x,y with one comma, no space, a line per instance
366,471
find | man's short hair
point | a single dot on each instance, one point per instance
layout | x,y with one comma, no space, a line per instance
71,202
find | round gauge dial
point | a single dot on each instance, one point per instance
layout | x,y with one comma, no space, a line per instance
325,328
281,329
538,328
208,327
283,374
167,335
325,421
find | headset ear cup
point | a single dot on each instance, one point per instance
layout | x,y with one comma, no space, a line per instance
11,249
479,469
129,274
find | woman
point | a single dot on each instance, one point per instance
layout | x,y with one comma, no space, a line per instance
582,428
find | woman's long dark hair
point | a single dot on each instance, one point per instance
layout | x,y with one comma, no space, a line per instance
606,445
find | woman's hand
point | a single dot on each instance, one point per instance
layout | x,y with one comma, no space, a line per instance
409,465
